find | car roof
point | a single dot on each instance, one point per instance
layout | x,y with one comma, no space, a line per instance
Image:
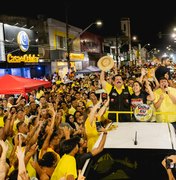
140,135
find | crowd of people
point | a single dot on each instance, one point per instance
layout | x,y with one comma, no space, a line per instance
40,134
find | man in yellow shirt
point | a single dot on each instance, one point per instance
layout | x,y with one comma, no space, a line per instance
66,167
119,95
165,101
1,117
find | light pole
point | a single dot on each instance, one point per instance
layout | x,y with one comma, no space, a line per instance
141,50
98,23
148,44
70,41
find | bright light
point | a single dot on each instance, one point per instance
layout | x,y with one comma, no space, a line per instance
148,44
134,38
173,35
165,55
98,23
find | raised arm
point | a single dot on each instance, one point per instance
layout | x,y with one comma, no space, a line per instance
151,96
4,166
100,147
159,102
22,173
49,132
102,79
104,107
94,111
168,170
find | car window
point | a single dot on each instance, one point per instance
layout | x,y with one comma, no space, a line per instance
134,164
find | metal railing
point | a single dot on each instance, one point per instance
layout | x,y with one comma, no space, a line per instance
131,112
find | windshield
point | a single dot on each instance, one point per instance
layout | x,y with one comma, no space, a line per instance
134,164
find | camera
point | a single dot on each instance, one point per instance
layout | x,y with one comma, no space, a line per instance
169,164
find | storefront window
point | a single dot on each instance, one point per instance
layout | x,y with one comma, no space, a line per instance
61,42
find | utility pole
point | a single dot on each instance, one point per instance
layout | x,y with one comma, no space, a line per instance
126,29
67,37
129,39
117,53
68,46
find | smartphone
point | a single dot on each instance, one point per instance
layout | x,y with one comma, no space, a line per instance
104,96
98,125
169,164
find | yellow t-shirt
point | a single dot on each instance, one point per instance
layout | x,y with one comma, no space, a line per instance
1,121
58,82
65,167
71,110
166,106
108,88
89,103
30,170
8,141
26,120
91,133
39,94
15,126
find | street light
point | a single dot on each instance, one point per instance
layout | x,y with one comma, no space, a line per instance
141,49
69,42
148,44
97,23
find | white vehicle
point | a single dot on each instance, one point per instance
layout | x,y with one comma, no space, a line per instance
133,151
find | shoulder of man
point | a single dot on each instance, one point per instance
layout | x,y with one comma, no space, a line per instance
130,89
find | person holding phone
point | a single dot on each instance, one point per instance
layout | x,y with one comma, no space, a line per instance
95,115
98,126
165,101
169,164
104,97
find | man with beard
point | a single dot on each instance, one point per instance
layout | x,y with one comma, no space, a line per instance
119,96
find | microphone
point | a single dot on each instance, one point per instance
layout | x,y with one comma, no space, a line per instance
135,139
165,89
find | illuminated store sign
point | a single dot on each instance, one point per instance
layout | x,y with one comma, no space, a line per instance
75,56
21,44
27,58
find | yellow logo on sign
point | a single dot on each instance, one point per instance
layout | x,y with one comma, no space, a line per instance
27,58
75,56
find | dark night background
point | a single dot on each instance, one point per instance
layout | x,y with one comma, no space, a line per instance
147,18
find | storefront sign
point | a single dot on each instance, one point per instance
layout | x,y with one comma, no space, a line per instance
76,56
27,58
20,42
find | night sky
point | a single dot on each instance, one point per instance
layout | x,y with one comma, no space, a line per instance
147,18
